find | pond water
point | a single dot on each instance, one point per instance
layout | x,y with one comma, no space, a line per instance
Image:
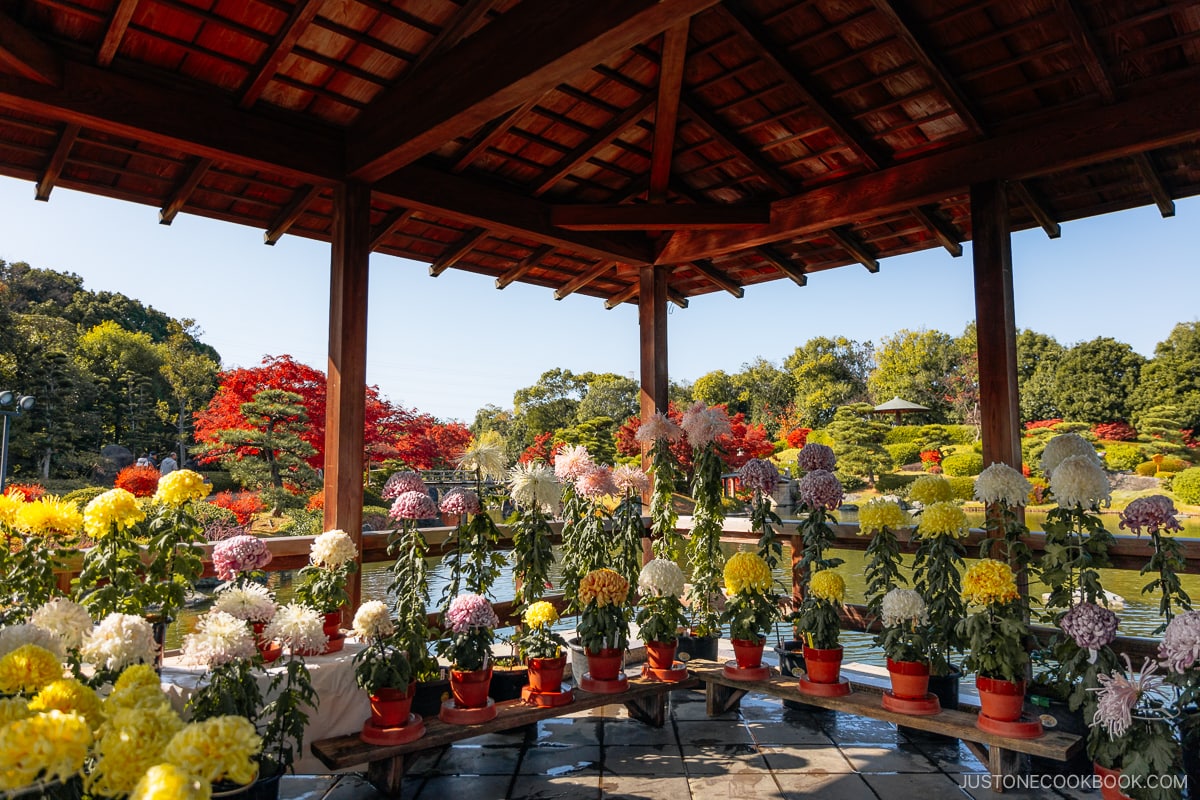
1036,519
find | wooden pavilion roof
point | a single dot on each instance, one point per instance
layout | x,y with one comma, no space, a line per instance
566,143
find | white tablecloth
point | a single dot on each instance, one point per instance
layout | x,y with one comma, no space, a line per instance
343,706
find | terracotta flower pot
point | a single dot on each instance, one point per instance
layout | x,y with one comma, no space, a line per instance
1001,700
1110,783
910,679
605,665
824,665
333,623
660,655
748,652
270,651
391,707
546,674
470,688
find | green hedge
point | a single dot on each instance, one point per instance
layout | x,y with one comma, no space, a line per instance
1120,456
963,487
901,434
221,481
1146,469
819,437
895,482
1186,486
1173,464
85,495
903,453
208,514
962,465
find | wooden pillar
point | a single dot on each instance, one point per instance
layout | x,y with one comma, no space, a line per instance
346,379
652,341
995,320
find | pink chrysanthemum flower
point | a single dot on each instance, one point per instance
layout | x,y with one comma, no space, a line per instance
704,425
815,456
401,482
1153,514
1119,693
821,489
1180,647
659,427
469,611
571,462
239,554
630,479
597,482
413,505
460,501
1090,625
759,475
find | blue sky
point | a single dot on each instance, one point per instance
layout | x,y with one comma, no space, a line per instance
450,345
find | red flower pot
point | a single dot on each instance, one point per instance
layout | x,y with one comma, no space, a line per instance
1110,783
333,623
748,652
824,665
470,689
546,674
605,665
661,655
390,707
1001,700
910,679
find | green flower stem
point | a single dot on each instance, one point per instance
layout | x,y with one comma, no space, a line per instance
883,568
410,587
704,546
937,577
817,537
669,543
763,519
533,556
1166,560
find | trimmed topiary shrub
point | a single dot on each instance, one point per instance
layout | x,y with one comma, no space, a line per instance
1121,456
1172,464
893,483
902,433
820,437
1186,486
962,464
82,497
220,480
1146,469
963,434
903,453
209,514
375,518
963,487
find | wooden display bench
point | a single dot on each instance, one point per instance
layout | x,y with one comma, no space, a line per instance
1001,754
646,701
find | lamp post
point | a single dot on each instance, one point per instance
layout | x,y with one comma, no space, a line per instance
19,406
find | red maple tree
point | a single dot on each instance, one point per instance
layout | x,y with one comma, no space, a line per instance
745,441
542,449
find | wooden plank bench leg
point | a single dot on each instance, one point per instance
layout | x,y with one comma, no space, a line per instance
649,709
1000,762
387,775
719,699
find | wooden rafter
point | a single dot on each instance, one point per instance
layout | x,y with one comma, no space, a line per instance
482,205
845,239
465,87
58,160
381,232
583,279
523,266
599,140
301,200
1089,53
459,249
487,135
179,198
1037,207
289,33
943,231
623,296
659,217
717,277
781,63
25,54
117,25
782,263
1158,190
734,141
455,32
666,108
676,298
1076,138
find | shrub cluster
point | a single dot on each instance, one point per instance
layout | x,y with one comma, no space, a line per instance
962,465
903,453
243,504
1186,486
1115,431
138,481
963,487
1120,456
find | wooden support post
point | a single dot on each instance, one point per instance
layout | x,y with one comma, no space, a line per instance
652,323
347,374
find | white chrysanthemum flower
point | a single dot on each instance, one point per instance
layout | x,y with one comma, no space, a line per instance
332,549
65,618
251,602
298,628
571,462
16,636
661,577
372,621
1000,483
901,606
630,479
658,427
219,639
119,641
1080,481
703,424
534,486
485,454
1064,446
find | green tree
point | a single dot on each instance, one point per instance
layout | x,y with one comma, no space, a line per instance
551,403
1037,361
717,388
1172,377
763,391
191,378
127,368
1160,428
1094,380
857,436
507,424
608,395
598,435
827,373
916,366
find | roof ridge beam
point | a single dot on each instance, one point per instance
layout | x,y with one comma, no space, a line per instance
455,32
27,55
735,142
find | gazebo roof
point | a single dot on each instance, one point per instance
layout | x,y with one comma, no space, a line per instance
566,143
898,406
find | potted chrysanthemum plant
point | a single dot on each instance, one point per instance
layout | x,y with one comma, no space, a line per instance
321,584
1156,515
819,622
410,573
118,641
662,433
300,630
542,648
471,624
751,608
252,603
904,620
660,614
536,494
604,623
381,667
625,546
761,477
111,579
1180,654
570,464
225,646
35,540
472,556
592,539
880,518
820,494
1004,491
704,427
937,577
175,543
239,560
995,635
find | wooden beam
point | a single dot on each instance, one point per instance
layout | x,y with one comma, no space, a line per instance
666,108
1075,138
27,55
383,230
301,200
179,198
652,342
601,139
942,230
1089,53
845,239
455,32
457,251
676,298
289,33
58,160
486,206
718,277
736,142
783,264
525,53
583,279
1158,190
346,378
623,296
995,323
117,25
523,266
489,133
1037,207
654,216
178,119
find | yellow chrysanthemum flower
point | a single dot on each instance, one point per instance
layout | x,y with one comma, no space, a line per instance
10,505
827,585
27,669
746,573
178,487
116,508
50,516
137,687
603,587
878,514
131,741
169,782
219,748
13,709
52,746
989,581
69,695
930,489
541,614
943,519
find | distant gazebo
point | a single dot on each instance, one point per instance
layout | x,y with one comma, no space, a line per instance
897,406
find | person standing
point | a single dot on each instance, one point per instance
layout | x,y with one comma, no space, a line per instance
169,464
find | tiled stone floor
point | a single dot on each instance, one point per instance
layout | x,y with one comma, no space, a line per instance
764,751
